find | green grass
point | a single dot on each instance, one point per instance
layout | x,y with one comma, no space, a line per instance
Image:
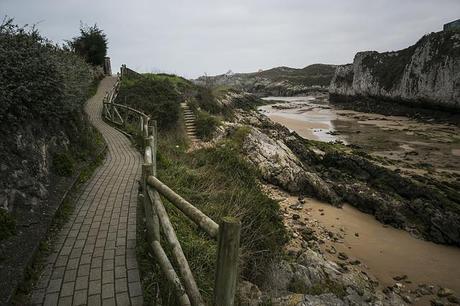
220,183
180,84
206,125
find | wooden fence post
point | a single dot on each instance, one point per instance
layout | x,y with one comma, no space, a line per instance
146,129
141,121
148,209
153,149
125,120
154,146
227,262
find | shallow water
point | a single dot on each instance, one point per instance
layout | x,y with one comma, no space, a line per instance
389,252
398,138
307,117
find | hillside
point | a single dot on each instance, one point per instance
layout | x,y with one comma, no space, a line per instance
279,81
425,74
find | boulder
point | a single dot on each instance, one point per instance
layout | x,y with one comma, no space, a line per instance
280,166
249,294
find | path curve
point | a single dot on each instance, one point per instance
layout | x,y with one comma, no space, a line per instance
94,258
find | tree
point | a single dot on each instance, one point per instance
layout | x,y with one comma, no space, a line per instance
91,45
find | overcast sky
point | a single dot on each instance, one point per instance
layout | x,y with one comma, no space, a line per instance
194,37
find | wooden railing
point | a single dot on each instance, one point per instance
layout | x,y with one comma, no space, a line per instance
158,223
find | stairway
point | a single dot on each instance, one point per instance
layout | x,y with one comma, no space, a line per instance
189,120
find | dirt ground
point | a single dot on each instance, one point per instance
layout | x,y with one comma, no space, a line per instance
382,252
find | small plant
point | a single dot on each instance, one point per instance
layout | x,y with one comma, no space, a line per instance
7,224
63,164
206,125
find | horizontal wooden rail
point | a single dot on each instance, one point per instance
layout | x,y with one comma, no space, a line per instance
170,235
203,221
128,108
170,274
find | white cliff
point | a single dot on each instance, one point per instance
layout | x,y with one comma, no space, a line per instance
425,74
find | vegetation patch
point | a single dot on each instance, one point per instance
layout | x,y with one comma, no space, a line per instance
389,67
220,183
91,45
38,79
158,97
317,74
206,125
7,224
63,164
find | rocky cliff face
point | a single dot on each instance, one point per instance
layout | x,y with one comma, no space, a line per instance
425,74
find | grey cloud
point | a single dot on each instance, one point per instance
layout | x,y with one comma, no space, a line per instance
194,37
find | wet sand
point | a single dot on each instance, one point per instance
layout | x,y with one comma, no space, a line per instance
383,251
407,143
412,146
306,129
389,252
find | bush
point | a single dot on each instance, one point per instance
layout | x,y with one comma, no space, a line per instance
7,224
91,45
207,101
156,97
63,164
206,125
38,80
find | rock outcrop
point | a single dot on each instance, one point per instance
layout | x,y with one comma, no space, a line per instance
313,280
425,74
280,166
421,205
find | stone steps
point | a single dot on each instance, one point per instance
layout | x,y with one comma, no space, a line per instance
189,121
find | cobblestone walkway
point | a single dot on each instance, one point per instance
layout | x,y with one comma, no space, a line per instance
94,259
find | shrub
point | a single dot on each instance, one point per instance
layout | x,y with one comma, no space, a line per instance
63,164
156,97
7,224
207,101
91,45
38,80
206,125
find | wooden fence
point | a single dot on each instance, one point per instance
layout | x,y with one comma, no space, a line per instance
227,233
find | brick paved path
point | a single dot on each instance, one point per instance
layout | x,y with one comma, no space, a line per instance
94,259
